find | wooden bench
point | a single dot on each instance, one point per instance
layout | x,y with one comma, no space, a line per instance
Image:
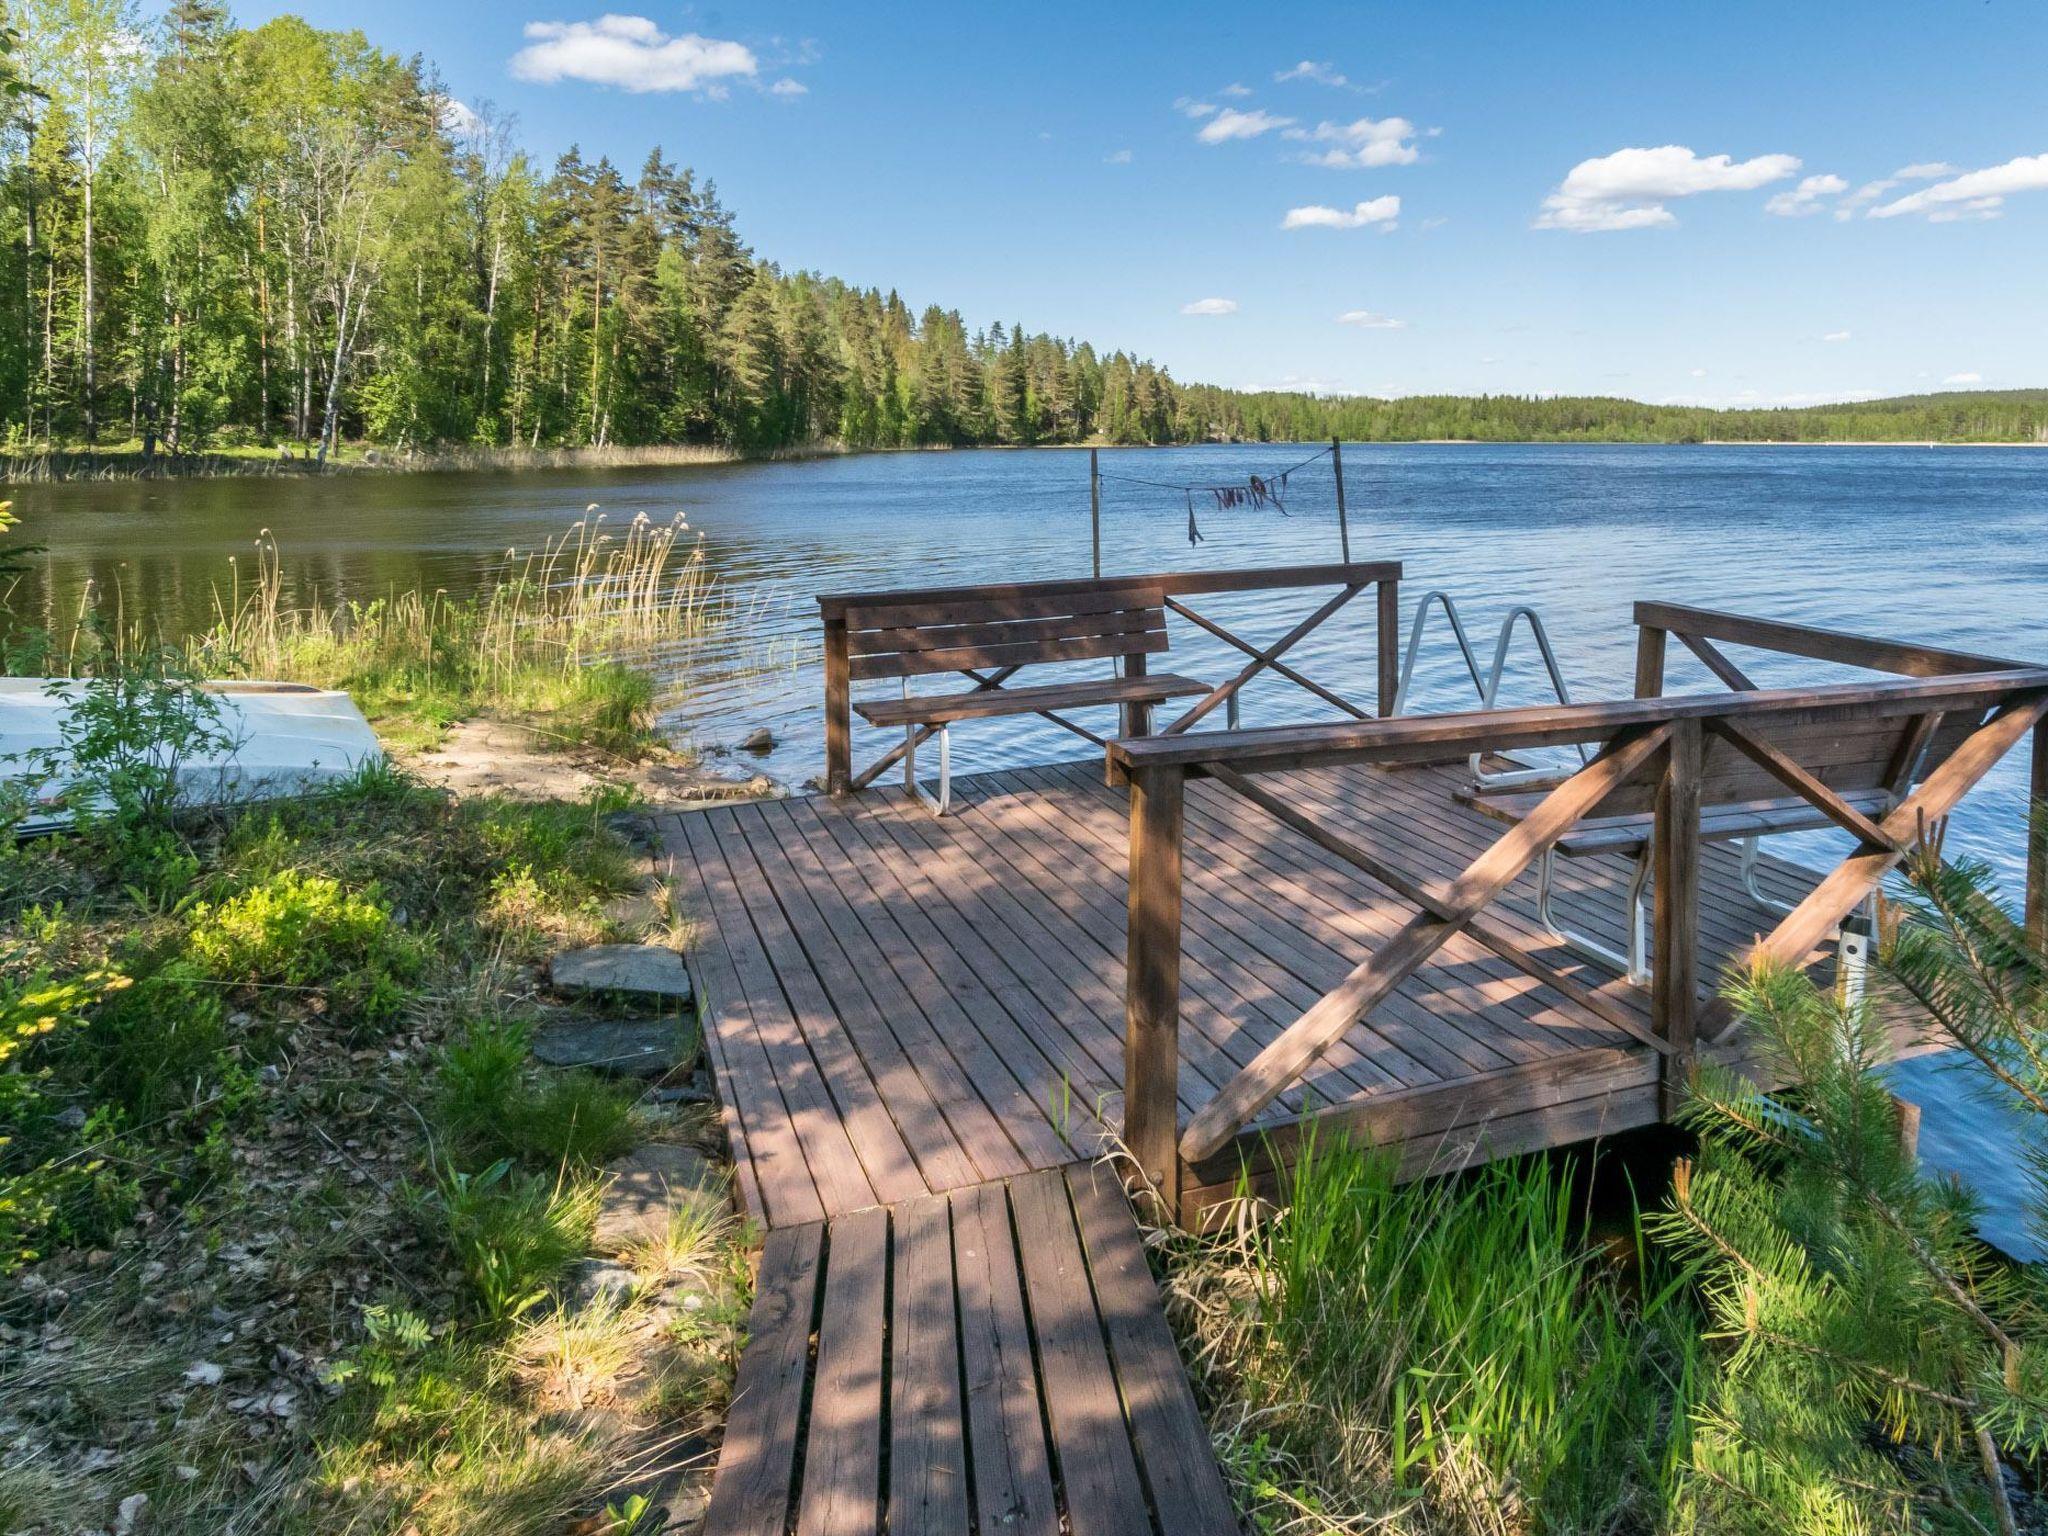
1843,773
988,638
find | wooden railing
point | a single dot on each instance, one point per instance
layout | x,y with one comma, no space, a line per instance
1651,758
1383,577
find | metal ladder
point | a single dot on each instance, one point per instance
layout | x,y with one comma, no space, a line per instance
1488,683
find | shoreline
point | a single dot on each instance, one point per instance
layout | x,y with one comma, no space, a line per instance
75,466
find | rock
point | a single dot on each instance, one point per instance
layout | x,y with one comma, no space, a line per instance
643,1188
627,1047
689,1093
128,1512
760,741
599,1282
650,970
203,1373
71,1117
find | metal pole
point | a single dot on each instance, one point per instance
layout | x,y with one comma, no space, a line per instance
1095,508
1343,524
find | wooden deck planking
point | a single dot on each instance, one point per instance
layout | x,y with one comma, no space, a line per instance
989,1362
898,1005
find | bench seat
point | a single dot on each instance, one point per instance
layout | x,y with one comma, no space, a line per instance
990,703
1718,823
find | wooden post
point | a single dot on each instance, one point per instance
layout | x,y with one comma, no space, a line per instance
1650,662
1389,596
838,710
1343,523
2037,842
1152,981
1674,950
1095,508
1137,715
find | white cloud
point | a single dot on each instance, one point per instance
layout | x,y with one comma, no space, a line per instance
1380,210
1371,320
1310,69
1871,191
1699,373
630,52
1836,336
1235,91
1806,197
1187,106
1974,194
1628,189
1210,307
1361,144
1964,378
788,87
458,119
1118,157
1229,123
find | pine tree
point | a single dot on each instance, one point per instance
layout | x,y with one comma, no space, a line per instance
1882,1359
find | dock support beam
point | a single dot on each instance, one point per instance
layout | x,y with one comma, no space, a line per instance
1152,982
1675,963
1388,594
838,710
1649,663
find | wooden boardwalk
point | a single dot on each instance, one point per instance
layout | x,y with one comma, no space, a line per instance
993,1361
897,1005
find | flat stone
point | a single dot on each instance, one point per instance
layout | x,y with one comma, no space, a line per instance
599,1282
627,1047
760,740
646,1186
651,970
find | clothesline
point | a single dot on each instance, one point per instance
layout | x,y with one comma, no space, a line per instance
1165,485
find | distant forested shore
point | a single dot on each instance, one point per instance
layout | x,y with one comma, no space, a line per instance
254,250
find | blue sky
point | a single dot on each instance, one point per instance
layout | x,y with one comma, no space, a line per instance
1099,171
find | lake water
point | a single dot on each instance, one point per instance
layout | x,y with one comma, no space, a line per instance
1944,545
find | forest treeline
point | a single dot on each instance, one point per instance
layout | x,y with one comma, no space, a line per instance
213,236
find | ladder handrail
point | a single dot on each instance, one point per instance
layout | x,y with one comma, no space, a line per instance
1415,645
1488,687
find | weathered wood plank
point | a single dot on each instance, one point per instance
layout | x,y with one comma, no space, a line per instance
842,1475
928,1487
1097,1468
1174,1453
751,1492
1013,1490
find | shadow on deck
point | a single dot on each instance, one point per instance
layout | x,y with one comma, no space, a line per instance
897,1004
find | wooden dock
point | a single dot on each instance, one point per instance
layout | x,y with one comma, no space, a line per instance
1196,949
898,1004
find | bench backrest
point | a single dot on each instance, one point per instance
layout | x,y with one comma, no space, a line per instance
1872,752
1014,629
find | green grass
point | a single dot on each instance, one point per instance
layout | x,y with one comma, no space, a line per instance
493,1104
544,645
218,1092
1444,1355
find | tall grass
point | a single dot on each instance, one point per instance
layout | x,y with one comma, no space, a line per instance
1444,1355
551,639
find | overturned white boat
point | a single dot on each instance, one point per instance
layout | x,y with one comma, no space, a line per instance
282,739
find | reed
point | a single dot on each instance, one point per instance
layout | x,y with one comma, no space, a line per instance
1440,1356
560,638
